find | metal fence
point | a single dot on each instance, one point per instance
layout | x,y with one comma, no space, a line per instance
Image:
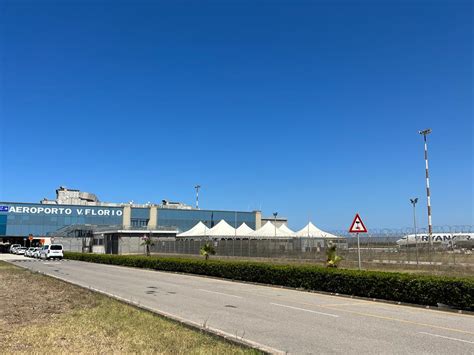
377,247
399,232
373,250
298,248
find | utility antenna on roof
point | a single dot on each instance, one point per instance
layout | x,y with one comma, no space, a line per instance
197,187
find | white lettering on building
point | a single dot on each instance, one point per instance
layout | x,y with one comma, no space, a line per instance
65,211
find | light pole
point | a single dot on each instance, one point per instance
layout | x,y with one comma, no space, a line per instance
424,133
275,214
413,202
197,187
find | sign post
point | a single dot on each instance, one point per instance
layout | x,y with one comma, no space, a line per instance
357,227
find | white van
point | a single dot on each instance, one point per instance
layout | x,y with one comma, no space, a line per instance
53,251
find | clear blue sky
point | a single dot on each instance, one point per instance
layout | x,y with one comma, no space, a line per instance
308,108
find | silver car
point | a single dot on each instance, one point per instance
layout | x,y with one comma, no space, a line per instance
36,253
20,251
29,252
13,247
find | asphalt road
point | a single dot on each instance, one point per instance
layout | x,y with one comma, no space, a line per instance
280,319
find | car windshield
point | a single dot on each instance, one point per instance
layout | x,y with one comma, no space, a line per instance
56,247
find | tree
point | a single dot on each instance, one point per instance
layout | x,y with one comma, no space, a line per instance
146,241
207,249
332,258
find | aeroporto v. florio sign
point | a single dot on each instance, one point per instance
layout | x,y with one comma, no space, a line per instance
75,211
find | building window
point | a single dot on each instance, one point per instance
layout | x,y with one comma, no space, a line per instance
138,222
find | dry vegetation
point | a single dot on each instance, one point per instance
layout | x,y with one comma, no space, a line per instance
43,315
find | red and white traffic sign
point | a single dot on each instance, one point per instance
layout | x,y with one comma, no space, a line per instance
357,225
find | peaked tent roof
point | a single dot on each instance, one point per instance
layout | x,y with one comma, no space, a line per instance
244,230
284,228
269,230
222,229
310,230
199,229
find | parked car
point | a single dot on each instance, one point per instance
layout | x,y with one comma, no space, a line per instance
36,253
29,252
13,247
53,251
20,251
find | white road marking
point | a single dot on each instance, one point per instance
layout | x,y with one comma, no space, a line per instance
219,293
306,310
442,336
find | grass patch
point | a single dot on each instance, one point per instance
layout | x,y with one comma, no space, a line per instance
43,315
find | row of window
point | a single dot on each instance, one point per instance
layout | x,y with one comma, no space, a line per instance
135,222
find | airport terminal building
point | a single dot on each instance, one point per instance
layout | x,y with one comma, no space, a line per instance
82,223
80,214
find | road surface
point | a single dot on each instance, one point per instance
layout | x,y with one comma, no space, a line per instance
279,319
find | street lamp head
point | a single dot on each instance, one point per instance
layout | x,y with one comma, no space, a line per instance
197,186
425,131
414,200
275,214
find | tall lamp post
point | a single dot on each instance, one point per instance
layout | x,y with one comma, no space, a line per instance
197,187
275,214
413,202
424,133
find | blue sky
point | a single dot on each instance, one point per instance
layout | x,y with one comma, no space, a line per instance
308,108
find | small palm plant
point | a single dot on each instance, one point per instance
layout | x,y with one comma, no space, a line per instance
147,242
332,259
207,250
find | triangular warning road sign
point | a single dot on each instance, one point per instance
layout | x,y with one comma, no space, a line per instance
357,225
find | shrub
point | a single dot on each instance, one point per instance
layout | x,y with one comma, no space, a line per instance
332,259
207,250
409,288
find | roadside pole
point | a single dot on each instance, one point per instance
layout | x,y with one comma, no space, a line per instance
358,250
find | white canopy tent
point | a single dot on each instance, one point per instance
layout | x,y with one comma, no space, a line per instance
244,230
284,228
221,229
269,230
311,231
198,230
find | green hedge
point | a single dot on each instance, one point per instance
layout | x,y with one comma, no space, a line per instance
409,288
